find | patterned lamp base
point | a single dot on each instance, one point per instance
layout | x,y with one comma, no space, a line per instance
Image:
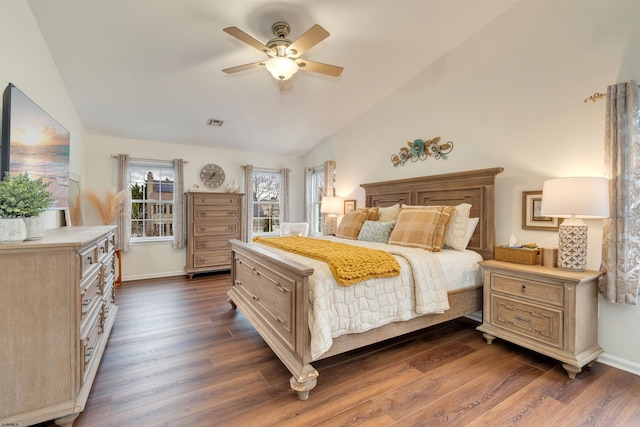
572,246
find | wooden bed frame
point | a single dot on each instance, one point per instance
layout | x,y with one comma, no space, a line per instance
272,291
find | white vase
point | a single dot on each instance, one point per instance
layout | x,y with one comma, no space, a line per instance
34,227
12,230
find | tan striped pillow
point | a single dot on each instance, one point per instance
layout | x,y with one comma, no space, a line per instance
373,214
351,224
417,228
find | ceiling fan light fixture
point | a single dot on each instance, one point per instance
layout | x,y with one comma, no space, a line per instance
281,68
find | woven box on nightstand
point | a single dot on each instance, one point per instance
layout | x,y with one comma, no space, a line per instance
517,255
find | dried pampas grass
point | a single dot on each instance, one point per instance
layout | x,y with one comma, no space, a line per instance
110,209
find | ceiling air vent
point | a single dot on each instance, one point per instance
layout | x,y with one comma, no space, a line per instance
215,122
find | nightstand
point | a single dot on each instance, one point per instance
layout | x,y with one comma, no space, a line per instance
547,310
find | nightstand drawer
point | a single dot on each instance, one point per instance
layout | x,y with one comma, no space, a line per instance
539,292
535,322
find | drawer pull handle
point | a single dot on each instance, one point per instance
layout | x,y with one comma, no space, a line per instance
90,259
255,297
86,302
238,283
522,319
524,287
88,353
276,318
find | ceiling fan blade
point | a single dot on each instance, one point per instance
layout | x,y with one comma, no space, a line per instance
244,67
319,67
246,38
312,37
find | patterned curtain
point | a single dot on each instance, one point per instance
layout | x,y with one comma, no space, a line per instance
248,203
178,204
123,231
329,170
284,195
621,232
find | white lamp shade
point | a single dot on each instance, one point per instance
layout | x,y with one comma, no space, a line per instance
579,197
332,205
281,68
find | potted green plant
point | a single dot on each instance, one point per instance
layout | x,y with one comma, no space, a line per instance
22,200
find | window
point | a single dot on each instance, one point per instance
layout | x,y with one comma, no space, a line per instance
151,200
266,202
317,191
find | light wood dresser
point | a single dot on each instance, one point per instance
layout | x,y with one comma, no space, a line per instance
548,310
57,310
212,220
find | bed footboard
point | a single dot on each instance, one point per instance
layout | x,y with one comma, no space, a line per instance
272,292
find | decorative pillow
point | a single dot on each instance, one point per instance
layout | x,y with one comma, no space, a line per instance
373,214
443,225
416,228
471,227
389,213
351,224
376,231
457,229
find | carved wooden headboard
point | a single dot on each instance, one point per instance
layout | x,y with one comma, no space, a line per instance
475,187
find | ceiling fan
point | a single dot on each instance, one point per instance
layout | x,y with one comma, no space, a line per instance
284,55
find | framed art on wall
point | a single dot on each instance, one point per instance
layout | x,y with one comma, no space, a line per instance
349,205
33,142
531,217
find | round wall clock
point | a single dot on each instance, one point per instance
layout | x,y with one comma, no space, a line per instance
212,175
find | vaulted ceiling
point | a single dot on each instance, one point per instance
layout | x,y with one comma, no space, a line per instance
151,69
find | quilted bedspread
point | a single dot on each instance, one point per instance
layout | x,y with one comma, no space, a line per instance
338,310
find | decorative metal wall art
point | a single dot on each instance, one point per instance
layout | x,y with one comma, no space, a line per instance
419,149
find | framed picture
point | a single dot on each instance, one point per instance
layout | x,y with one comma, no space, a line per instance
74,214
349,205
531,217
33,142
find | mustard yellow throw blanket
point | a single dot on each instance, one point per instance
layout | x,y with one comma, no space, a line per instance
349,264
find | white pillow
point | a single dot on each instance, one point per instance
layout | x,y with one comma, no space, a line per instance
389,213
471,227
457,228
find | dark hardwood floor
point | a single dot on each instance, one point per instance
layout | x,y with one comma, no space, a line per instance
180,356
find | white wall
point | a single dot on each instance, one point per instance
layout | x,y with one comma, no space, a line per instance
160,259
511,96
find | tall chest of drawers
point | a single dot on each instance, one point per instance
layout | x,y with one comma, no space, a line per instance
212,220
547,310
57,309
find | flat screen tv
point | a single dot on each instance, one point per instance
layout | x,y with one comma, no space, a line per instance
33,142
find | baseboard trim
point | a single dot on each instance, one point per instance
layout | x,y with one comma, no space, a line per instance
153,276
619,363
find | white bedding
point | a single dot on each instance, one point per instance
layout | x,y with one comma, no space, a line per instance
337,310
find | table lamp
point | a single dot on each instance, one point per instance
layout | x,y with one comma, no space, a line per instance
333,206
574,199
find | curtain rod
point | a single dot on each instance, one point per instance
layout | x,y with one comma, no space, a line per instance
115,156
265,169
596,96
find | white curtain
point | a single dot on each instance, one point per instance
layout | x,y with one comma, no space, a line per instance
329,170
308,202
284,195
178,204
248,203
621,232
123,231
